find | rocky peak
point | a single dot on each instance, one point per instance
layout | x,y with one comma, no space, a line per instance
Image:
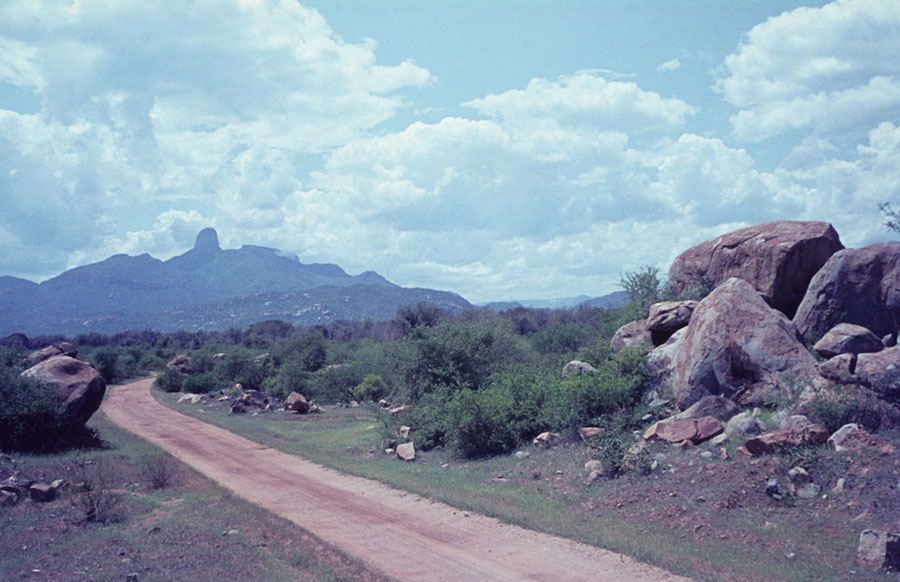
207,239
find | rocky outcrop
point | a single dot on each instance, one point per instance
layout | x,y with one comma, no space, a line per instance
738,347
848,338
668,317
777,258
634,334
860,286
78,386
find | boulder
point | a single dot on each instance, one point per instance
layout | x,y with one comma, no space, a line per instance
852,437
192,398
660,360
254,398
695,430
576,368
296,403
794,422
634,334
738,347
44,492
777,258
60,349
848,338
181,362
744,425
406,452
860,286
881,372
770,442
587,432
668,317
879,550
220,357
8,498
545,439
715,406
839,369
79,387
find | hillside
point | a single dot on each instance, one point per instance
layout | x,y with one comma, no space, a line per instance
206,288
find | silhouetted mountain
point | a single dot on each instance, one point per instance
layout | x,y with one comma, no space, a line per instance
205,288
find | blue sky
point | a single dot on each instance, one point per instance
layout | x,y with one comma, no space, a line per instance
503,150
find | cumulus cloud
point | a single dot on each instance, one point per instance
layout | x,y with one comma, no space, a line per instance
823,69
672,65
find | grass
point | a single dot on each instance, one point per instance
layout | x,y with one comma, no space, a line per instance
187,528
654,518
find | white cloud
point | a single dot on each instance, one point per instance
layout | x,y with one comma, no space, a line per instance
672,65
827,69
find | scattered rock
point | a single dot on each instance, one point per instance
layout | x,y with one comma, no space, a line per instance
593,465
715,406
744,425
576,368
738,347
768,443
794,422
44,492
192,398
238,408
848,338
254,398
587,432
8,498
809,490
879,550
852,437
220,357
668,317
799,476
404,431
694,430
775,490
855,286
296,403
521,455
406,452
778,259
545,439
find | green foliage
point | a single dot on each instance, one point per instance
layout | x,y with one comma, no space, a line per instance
615,446
482,424
332,384
372,388
307,353
429,420
644,288
157,471
169,381
202,383
105,361
98,498
891,216
562,338
31,418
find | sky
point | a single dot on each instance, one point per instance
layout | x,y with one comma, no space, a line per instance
518,149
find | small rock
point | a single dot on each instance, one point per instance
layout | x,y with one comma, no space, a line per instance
404,431
839,486
594,475
522,455
8,498
775,490
43,492
809,490
879,550
587,432
389,451
406,452
719,439
593,465
544,439
799,476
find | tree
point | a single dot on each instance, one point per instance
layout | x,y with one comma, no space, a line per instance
891,216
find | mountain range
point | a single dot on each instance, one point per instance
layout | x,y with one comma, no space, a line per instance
206,288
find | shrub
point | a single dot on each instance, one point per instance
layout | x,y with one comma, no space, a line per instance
170,380
614,447
157,471
562,338
201,383
97,498
31,417
482,424
615,385
371,388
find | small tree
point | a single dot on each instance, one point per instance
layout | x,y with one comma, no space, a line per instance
891,216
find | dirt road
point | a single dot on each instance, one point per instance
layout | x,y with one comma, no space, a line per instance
400,534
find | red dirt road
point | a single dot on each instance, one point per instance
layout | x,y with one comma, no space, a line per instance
403,535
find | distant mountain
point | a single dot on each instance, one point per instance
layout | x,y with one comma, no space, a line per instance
206,288
611,300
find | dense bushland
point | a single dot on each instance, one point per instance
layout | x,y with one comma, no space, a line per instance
480,383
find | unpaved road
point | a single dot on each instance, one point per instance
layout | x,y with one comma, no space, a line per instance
400,534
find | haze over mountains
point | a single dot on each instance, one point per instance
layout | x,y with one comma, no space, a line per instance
206,288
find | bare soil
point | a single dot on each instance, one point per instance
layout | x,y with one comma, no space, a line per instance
402,535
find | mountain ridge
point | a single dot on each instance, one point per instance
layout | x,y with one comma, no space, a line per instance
205,288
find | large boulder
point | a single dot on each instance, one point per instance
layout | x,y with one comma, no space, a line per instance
79,387
848,338
881,372
668,317
738,347
576,368
634,334
879,550
296,403
660,361
860,286
716,406
181,362
771,442
695,430
60,349
777,258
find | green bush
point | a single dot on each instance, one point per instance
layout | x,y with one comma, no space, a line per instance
562,338
372,388
170,380
482,424
31,418
201,383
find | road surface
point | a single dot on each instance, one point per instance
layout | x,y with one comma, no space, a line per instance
402,535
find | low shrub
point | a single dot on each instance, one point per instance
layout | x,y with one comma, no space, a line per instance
201,383
372,388
170,380
31,417
97,497
157,471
